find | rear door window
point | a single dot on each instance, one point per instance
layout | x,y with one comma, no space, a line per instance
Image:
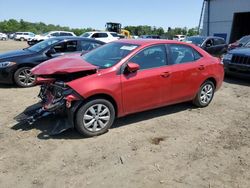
65,34
65,47
55,34
103,35
100,35
218,41
183,54
95,35
114,34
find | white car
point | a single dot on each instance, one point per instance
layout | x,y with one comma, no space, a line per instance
23,36
179,37
3,36
101,36
48,35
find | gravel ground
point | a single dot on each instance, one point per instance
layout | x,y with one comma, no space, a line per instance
175,146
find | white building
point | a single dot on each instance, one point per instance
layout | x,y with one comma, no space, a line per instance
229,19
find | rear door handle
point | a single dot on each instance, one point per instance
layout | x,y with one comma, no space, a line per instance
201,67
165,74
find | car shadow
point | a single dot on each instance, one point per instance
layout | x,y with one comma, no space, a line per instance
238,80
7,86
45,125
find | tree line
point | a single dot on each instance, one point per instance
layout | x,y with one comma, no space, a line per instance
170,33
12,25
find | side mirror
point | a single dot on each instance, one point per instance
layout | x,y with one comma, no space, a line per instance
50,52
132,67
240,44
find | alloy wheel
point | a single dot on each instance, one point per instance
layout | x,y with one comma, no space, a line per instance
206,94
26,78
96,117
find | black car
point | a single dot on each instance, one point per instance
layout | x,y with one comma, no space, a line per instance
214,45
15,65
237,61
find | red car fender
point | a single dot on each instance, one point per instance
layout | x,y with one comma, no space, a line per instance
90,86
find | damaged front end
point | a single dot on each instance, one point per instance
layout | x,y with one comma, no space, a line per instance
56,99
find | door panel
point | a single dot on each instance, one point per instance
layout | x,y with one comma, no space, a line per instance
187,69
144,89
185,80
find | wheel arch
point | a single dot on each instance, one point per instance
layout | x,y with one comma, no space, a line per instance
212,79
21,66
104,96
79,104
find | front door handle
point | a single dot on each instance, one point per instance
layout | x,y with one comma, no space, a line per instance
165,74
201,67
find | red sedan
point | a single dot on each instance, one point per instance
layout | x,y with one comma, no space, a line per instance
125,77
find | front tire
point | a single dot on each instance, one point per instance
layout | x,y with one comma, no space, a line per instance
205,94
95,117
24,78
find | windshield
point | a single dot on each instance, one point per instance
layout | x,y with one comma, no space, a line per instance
244,40
85,35
108,55
196,40
42,45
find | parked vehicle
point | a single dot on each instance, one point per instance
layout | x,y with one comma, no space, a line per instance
237,61
23,36
15,65
3,36
102,36
240,43
11,35
179,37
125,77
214,45
150,36
51,34
117,28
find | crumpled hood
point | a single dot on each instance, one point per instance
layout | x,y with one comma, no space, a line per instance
63,65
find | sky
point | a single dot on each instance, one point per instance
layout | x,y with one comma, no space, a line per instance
94,14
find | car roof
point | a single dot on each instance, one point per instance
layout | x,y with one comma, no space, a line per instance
100,32
60,31
23,32
78,38
207,37
149,41
215,37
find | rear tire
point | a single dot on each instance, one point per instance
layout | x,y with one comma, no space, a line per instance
24,78
205,94
95,117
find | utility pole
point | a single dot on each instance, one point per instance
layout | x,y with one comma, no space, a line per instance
201,16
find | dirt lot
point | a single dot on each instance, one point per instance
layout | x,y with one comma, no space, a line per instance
176,146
